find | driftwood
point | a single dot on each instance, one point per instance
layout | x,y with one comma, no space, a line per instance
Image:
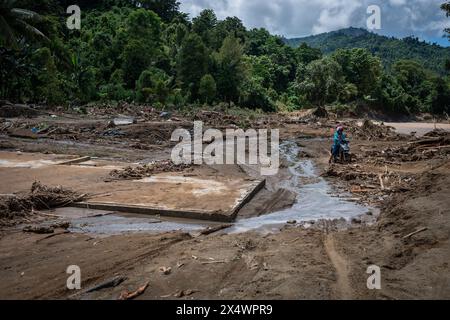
114,282
125,295
414,233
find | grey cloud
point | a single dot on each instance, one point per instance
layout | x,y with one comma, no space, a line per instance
292,18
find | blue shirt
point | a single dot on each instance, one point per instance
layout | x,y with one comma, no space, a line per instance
339,138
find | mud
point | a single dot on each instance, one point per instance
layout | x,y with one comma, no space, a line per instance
323,254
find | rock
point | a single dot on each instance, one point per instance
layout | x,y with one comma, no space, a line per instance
165,270
165,115
356,221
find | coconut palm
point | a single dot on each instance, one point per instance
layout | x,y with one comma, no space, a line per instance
15,25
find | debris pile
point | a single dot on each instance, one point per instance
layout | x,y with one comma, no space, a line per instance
10,110
434,145
216,119
131,173
40,197
369,131
369,186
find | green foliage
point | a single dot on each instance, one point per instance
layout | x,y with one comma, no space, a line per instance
416,81
138,55
47,82
231,26
166,9
16,24
204,25
322,81
192,64
152,86
149,52
359,68
255,96
306,54
392,97
440,97
231,70
388,49
208,88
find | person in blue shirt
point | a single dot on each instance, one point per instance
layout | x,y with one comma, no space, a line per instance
339,138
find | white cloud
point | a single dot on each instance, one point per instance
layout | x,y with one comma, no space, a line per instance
304,17
336,15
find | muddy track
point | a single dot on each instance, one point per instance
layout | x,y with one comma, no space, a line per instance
342,287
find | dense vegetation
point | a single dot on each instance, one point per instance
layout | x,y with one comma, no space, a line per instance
389,49
149,52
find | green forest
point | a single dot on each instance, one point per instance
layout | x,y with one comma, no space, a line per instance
389,49
149,52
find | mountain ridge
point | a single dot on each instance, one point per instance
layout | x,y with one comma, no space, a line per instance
389,49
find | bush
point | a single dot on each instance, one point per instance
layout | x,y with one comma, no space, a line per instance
255,96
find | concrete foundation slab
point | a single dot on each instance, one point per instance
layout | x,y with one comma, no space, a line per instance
196,195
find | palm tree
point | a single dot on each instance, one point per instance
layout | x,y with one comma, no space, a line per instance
15,25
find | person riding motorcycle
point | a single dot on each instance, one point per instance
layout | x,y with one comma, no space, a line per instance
339,138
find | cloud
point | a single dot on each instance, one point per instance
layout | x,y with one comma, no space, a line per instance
292,18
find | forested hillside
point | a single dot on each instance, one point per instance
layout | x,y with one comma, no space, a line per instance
152,53
389,49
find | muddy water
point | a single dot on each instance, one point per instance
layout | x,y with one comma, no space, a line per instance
315,200
119,224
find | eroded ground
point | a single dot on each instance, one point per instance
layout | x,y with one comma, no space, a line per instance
402,181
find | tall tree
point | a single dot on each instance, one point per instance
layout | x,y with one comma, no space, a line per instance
231,68
360,68
166,9
192,64
138,55
322,81
204,25
230,26
208,88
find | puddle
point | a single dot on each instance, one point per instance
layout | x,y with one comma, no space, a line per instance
314,198
115,224
32,164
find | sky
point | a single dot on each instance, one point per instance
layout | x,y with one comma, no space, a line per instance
298,18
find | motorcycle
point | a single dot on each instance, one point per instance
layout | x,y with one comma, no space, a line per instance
344,152
344,155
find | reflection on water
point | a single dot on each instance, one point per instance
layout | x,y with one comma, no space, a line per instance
314,202
314,198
